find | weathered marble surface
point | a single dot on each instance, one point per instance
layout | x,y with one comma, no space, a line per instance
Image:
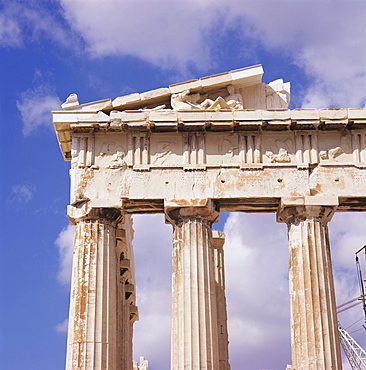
237,157
314,324
195,342
102,303
221,143
241,170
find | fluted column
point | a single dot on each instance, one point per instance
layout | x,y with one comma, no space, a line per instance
92,334
194,299
218,240
314,334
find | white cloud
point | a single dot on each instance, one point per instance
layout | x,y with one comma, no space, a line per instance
152,249
35,106
10,32
347,236
65,245
22,193
21,21
336,62
62,326
256,259
156,31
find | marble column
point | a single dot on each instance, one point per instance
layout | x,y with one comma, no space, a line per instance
194,298
218,240
94,306
127,310
314,329
126,316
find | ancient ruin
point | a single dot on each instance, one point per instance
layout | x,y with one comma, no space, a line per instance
227,142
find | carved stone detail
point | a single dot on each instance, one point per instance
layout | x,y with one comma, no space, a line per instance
250,149
278,94
194,153
281,157
306,147
186,101
83,154
107,148
338,147
164,151
138,150
118,159
359,147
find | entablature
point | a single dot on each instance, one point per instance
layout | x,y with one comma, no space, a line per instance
227,137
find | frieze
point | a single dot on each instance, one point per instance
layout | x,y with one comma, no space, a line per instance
200,150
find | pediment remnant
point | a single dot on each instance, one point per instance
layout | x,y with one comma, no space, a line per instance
239,89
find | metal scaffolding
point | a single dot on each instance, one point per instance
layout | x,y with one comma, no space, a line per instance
355,354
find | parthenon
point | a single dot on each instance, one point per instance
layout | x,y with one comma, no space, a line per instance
223,143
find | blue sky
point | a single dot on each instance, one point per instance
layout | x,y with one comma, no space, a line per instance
105,49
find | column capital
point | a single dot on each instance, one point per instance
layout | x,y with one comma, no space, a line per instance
76,214
296,209
218,239
205,209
